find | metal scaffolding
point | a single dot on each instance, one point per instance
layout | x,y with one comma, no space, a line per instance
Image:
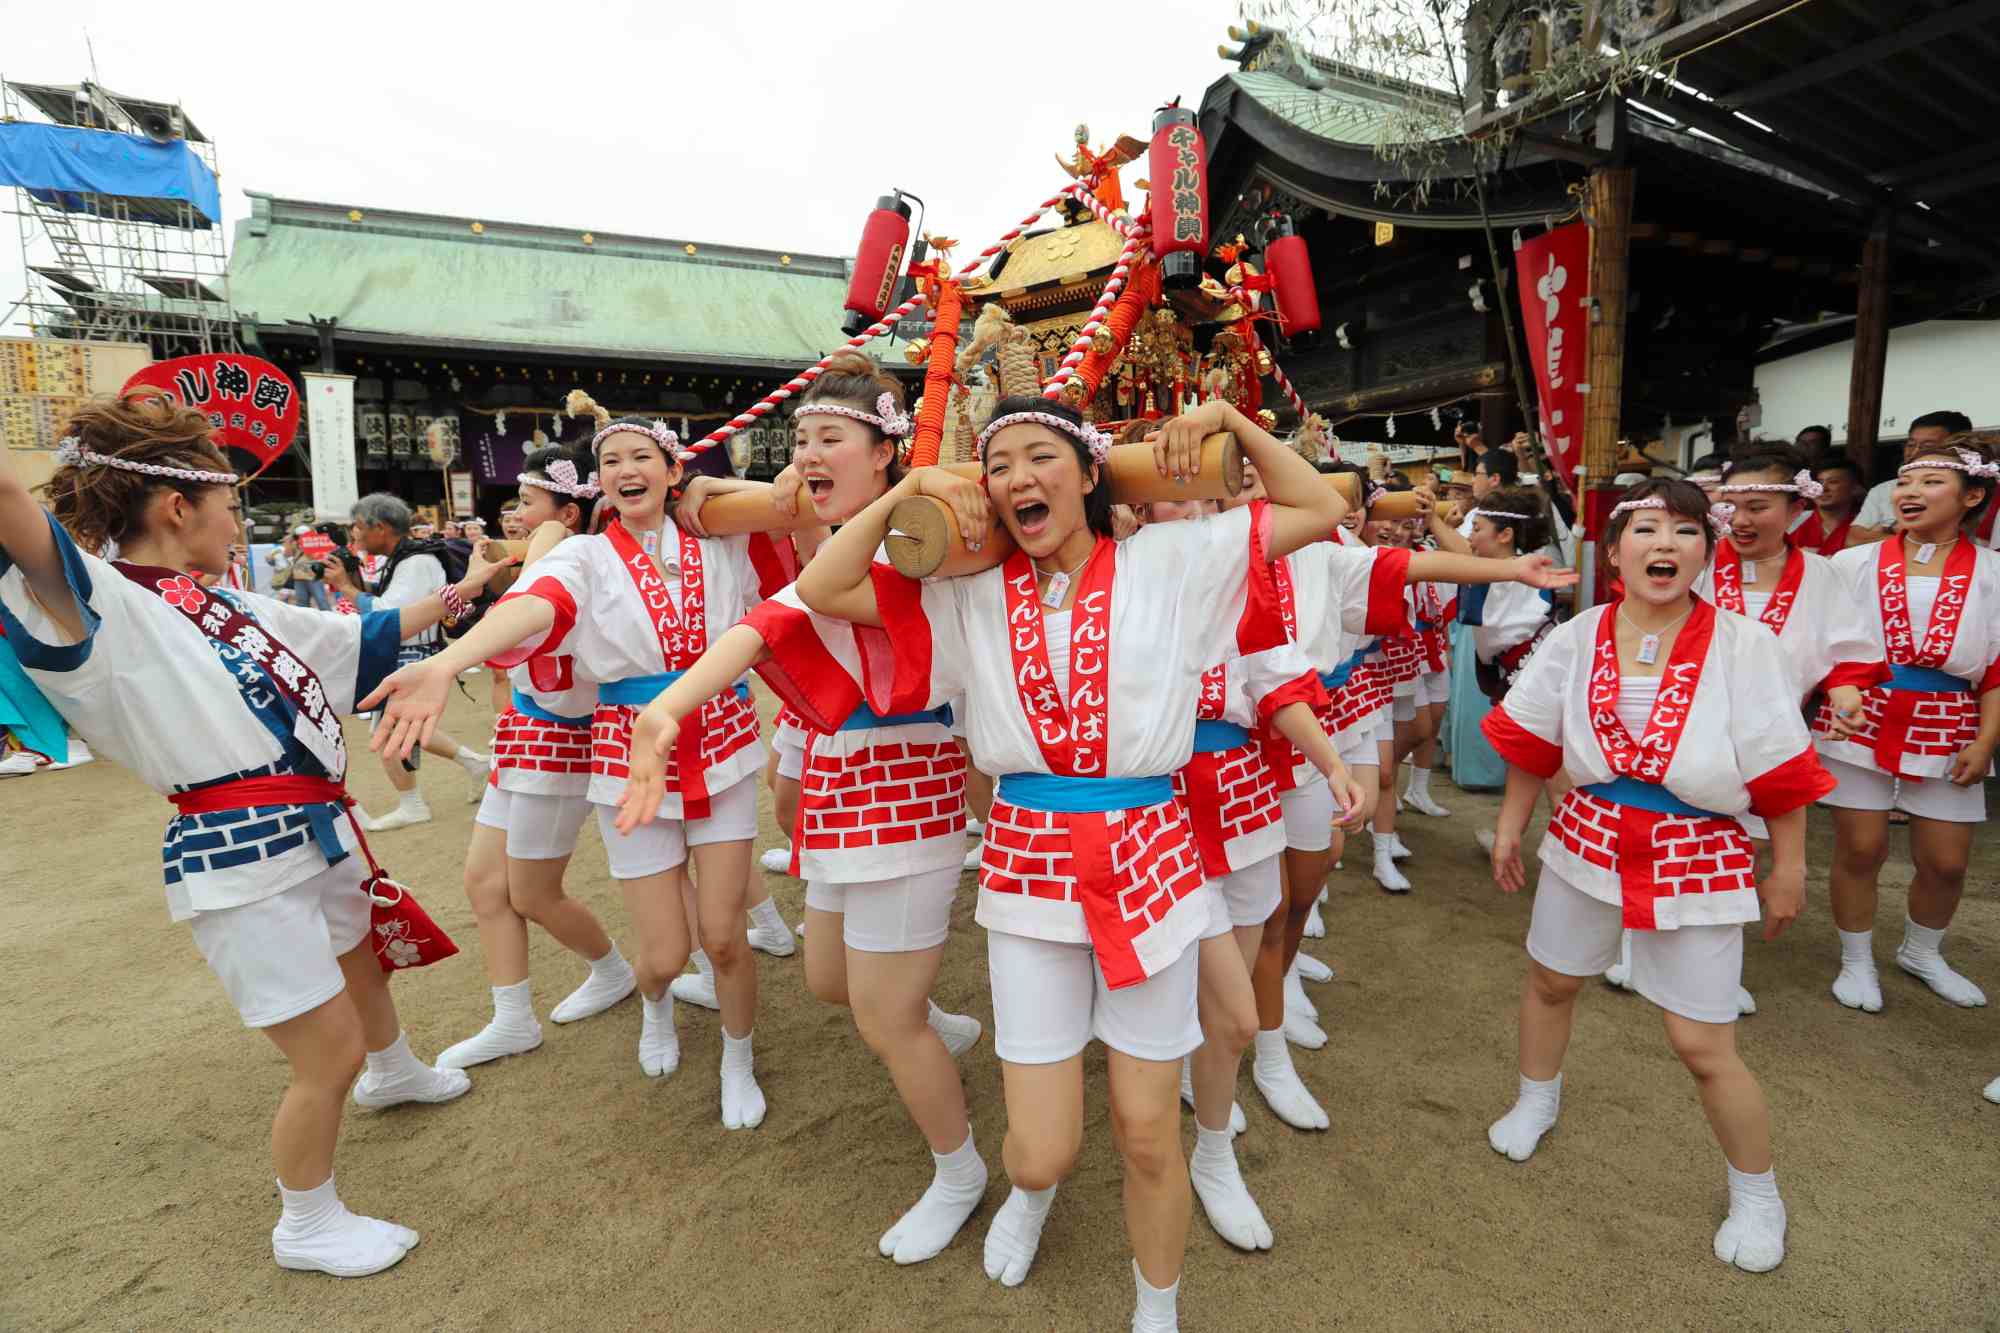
119,268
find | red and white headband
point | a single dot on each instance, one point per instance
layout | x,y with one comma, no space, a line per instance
72,453
1802,485
560,479
1090,437
1971,464
668,441
1719,513
886,417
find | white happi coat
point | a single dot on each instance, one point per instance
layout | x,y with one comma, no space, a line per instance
1825,640
149,691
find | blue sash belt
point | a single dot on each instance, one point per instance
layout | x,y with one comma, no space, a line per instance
1066,795
1926,680
1210,737
864,716
1648,796
527,707
638,691
1337,677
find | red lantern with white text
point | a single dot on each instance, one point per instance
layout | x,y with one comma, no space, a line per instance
1178,166
1290,267
878,263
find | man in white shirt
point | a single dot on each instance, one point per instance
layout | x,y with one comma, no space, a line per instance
1877,511
382,527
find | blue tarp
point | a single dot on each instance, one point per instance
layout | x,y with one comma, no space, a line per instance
59,164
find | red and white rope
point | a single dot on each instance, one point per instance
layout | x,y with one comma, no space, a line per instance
1122,223
1079,349
1291,394
771,401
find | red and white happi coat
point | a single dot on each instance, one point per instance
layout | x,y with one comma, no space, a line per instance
1916,734
1725,737
1822,634
1231,795
1151,615
1432,606
618,617
875,802
1344,594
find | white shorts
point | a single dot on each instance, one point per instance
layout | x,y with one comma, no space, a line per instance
276,957
1434,687
1050,999
1308,816
1933,798
890,915
538,827
1246,897
791,758
663,844
1356,745
1403,708
1385,723
1694,971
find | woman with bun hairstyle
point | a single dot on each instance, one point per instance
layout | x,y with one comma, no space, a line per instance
228,704
634,607
1668,716
535,805
879,834
1930,599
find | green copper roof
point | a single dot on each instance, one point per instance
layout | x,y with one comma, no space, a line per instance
428,280
1348,110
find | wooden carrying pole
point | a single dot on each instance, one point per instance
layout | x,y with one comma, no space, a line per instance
924,542
1610,210
1871,349
750,510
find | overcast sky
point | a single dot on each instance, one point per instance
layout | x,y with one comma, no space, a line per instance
771,125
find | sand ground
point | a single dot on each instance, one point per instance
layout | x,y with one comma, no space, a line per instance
568,1191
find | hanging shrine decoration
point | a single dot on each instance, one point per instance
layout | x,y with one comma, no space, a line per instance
1290,268
1178,162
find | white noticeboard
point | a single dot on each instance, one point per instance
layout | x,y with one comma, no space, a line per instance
330,426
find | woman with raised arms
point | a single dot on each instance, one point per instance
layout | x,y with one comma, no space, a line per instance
879,834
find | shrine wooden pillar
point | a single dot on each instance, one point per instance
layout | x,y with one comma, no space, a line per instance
1871,348
1609,206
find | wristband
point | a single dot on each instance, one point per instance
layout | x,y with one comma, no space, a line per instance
454,605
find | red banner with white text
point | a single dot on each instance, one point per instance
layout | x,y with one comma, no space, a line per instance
1553,271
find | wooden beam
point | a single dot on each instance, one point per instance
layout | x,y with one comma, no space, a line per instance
1871,347
1785,264
1932,170
1609,191
1941,24
1718,249
1422,390
1752,255
1647,233
1681,240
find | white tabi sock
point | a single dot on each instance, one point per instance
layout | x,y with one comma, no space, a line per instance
411,802
513,1031
1752,1237
1218,1183
1386,872
958,1032
659,1044
1858,986
1533,1115
1016,1233
924,1231
611,979
393,1075
514,1006
701,964
316,1233
1271,1070
765,915
742,1099
1420,781
1920,956
1157,1309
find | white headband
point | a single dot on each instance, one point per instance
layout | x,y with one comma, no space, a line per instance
72,453
666,439
1971,464
1089,436
561,480
1802,484
1500,513
885,418
1719,513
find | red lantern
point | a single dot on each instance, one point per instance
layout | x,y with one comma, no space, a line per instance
878,263
1290,267
1178,163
